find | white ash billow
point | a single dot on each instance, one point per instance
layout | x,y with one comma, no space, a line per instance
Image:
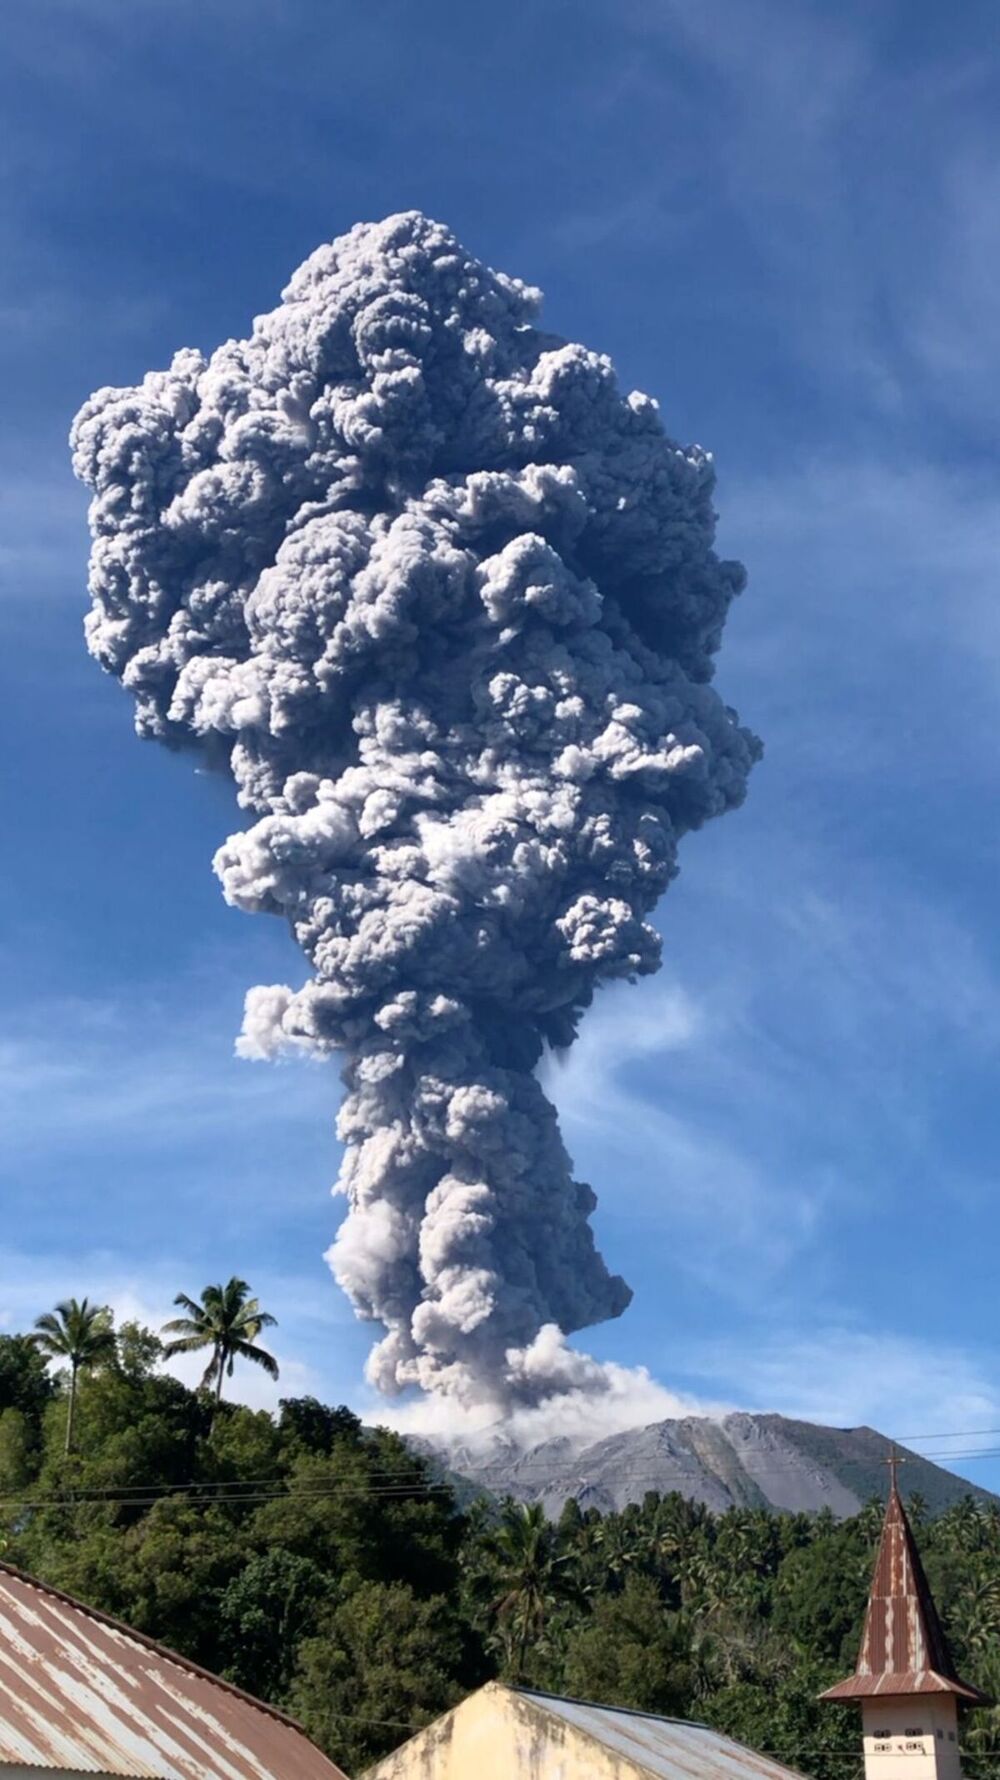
445,603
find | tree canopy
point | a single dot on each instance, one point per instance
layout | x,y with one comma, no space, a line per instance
329,1568
228,1321
81,1334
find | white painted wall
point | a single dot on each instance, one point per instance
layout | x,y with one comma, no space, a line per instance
911,1737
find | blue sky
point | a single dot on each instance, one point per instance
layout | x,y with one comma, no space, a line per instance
783,220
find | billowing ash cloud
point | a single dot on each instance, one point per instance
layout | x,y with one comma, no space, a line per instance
445,603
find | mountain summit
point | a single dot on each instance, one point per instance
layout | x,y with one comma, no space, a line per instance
739,1459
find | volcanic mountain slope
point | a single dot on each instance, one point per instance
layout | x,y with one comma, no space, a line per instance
750,1460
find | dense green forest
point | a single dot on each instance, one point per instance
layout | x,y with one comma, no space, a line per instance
321,1565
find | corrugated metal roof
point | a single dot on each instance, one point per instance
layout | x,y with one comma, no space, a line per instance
903,1648
80,1692
669,1748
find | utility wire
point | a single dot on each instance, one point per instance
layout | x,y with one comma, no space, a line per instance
404,1476
386,1485
200,1496
396,1482
953,1434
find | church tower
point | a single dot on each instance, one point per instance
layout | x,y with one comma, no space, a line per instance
905,1680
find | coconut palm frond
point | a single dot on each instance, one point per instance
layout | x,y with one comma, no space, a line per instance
227,1320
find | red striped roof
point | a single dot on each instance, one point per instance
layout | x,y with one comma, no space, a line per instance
903,1648
81,1693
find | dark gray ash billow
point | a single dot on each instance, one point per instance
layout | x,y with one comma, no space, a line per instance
445,603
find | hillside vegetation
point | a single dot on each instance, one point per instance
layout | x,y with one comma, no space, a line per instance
325,1567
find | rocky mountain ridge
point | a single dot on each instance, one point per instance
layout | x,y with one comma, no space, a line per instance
740,1459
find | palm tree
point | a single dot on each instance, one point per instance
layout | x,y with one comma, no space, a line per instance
619,1542
533,1576
228,1321
976,1612
81,1333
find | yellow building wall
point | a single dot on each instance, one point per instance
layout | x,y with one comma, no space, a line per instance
498,1735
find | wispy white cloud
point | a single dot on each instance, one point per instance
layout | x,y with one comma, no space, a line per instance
787,66
866,569
33,1283
860,189
620,1094
835,992
903,1384
43,536
81,1072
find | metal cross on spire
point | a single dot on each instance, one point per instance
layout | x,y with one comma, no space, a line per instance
894,1461
903,1648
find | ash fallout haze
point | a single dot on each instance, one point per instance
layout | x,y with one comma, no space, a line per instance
445,603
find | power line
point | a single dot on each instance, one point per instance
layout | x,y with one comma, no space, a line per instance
202,1496
805,1751
386,1482
953,1434
202,1499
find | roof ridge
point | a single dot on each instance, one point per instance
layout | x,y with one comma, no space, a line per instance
153,1644
541,1695
602,1706
568,1699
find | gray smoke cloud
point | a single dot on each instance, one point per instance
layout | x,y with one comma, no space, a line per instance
445,604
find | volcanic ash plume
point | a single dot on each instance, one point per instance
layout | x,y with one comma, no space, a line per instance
445,603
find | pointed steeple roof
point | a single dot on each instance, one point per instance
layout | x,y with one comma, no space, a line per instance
903,1648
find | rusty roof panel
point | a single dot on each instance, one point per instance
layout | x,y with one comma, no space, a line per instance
906,1681
80,1692
903,1648
667,1748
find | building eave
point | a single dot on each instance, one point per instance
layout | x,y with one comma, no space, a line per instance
904,1651
890,1685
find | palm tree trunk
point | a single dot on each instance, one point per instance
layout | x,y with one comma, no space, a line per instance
71,1411
220,1358
522,1651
